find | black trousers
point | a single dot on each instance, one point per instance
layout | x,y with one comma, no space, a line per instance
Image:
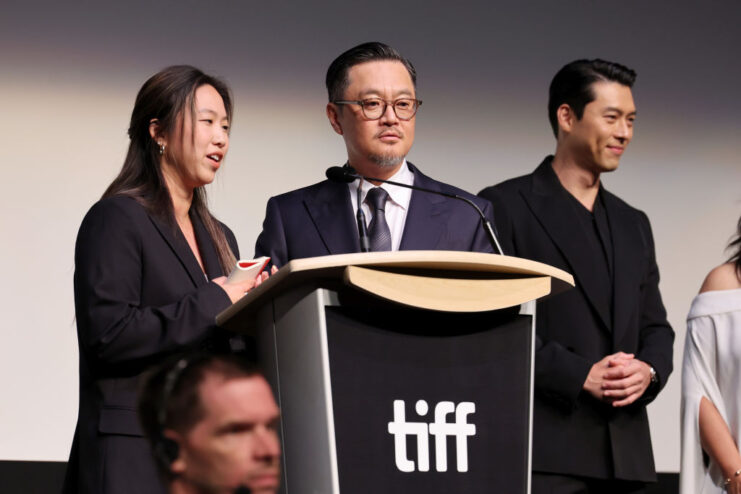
547,483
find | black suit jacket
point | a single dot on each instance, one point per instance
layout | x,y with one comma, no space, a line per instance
318,220
573,433
140,294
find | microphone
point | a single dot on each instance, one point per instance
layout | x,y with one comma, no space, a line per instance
362,228
342,174
347,174
242,489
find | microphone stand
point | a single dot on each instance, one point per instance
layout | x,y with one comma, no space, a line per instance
348,174
362,228
487,226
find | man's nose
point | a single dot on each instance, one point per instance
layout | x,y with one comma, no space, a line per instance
389,115
624,130
267,444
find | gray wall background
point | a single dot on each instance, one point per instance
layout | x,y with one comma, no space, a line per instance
69,72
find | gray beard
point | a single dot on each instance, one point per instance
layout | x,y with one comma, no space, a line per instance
386,161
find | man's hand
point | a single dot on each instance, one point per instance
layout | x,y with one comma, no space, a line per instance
625,381
594,384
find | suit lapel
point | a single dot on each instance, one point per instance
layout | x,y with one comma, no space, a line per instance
550,203
332,213
425,222
175,239
627,261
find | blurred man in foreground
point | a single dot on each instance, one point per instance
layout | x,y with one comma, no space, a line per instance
212,422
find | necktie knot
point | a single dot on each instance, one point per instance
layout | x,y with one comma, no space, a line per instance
376,199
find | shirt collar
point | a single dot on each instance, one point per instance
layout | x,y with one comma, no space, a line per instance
399,195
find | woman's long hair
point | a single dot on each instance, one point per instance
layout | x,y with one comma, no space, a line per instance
735,246
165,97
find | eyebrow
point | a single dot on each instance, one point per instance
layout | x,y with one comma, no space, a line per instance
211,112
371,92
244,424
234,424
618,110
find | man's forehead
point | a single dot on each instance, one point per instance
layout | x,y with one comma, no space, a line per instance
248,397
380,76
610,93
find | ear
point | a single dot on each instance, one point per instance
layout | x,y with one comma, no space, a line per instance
566,118
179,463
334,117
155,131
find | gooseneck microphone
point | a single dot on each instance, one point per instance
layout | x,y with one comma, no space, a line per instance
338,174
362,228
347,174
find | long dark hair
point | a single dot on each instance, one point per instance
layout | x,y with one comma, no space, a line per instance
165,97
735,245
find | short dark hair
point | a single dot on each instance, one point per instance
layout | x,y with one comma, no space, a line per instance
170,399
573,85
337,80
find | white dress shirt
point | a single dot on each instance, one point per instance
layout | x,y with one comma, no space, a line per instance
397,204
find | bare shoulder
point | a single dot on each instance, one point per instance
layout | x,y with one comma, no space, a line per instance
724,277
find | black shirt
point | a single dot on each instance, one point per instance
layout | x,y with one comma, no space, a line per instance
597,246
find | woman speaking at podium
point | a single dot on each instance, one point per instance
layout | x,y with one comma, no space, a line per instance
150,262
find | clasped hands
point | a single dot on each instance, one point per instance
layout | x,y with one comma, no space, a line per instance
618,379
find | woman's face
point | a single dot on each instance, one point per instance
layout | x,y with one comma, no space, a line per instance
199,147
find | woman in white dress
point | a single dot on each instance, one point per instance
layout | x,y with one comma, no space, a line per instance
711,383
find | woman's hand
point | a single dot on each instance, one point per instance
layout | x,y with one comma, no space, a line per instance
237,290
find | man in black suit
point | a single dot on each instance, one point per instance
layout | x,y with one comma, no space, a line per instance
603,349
372,105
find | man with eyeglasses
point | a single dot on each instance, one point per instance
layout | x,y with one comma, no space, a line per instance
373,106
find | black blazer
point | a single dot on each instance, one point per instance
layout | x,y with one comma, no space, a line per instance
573,433
140,295
318,220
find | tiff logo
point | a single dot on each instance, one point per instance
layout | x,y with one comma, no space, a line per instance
440,429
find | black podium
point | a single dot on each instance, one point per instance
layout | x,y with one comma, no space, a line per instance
401,372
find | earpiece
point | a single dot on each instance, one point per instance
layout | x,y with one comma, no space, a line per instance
167,450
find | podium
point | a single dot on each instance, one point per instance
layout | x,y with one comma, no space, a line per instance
400,372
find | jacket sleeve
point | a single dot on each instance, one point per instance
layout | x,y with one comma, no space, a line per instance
114,326
272,240
656,335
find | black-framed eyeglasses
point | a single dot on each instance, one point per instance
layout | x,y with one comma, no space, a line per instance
374,108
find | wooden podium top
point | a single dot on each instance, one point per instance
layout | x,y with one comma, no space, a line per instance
448,281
